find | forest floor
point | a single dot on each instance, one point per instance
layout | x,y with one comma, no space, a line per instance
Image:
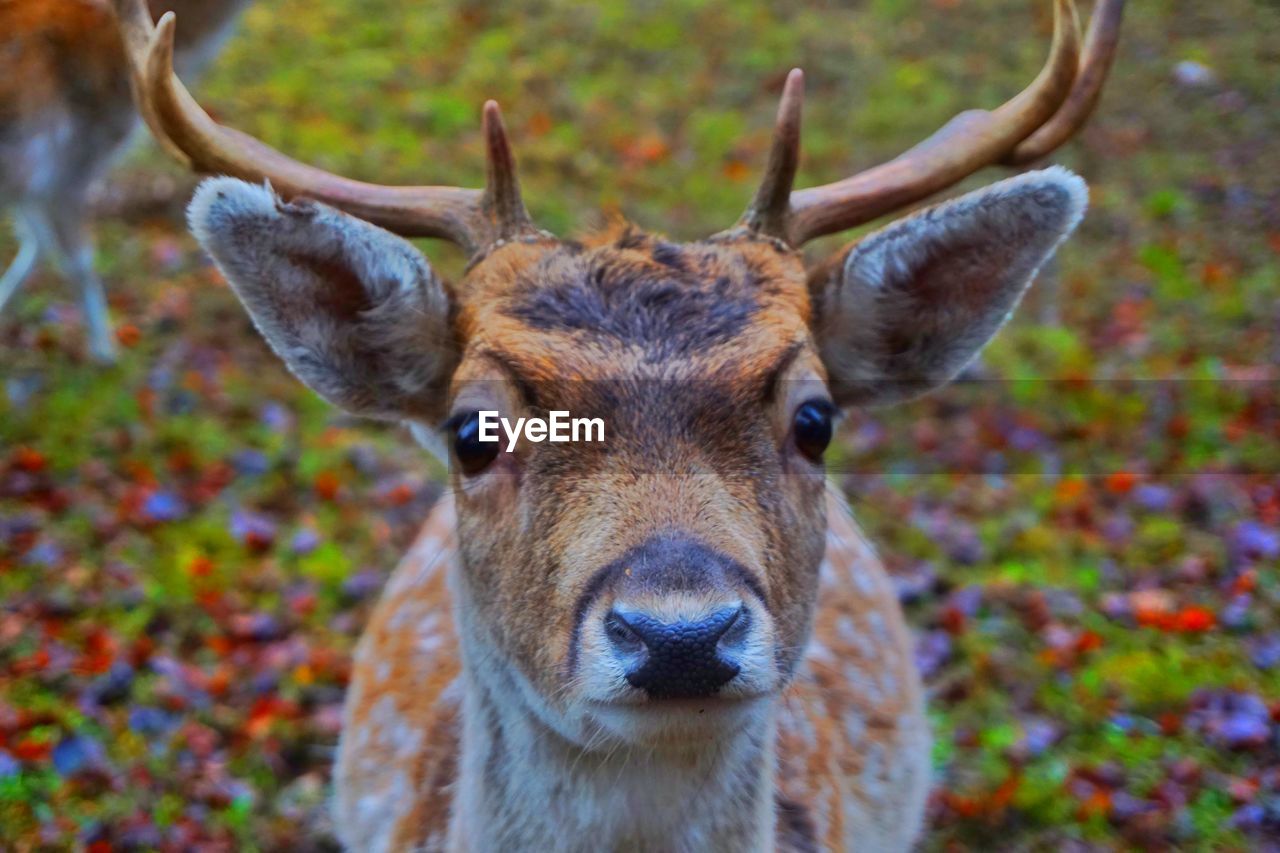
1086,537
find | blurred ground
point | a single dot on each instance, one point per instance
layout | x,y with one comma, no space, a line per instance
1088,539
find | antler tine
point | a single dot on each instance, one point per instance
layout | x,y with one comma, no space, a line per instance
502,202
135,31
969,142
178,122
769,209
1099,52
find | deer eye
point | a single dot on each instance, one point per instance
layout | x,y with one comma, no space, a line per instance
473,455
812,428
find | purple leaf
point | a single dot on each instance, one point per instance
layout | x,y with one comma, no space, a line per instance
75,753
251,463
252,528
304,541
1254,541
933,650
1265,651
164,506
1153,497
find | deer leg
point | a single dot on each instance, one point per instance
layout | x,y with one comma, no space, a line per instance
23,264
63,232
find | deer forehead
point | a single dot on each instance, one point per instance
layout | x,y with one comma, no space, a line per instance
631,304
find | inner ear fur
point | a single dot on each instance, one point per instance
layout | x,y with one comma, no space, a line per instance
354,311
903,310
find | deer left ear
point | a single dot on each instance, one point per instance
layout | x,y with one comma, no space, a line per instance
355,312
909,306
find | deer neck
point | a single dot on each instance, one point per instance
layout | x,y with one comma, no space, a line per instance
524,785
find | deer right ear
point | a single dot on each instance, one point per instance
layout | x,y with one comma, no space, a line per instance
906,308
354,311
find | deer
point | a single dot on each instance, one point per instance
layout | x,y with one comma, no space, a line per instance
66,114
676,638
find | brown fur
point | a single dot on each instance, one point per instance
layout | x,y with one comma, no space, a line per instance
571,370
65,113
829,726
66,56
669,464
51,48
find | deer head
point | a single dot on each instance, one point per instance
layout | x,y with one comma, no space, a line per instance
677,559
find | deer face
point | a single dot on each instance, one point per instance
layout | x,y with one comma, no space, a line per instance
674,561
657,584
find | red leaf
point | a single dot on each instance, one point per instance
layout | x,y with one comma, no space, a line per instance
31,749
200,566
1194,620
327,484
1121,482
128,335
28,459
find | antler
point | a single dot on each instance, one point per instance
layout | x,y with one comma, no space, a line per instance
1025,128
473,219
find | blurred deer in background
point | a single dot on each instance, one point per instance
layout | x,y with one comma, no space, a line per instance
676,639
65,114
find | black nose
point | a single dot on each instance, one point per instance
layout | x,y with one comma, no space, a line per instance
678,660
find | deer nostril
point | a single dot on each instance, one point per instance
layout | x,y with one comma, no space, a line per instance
621,634
735,633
